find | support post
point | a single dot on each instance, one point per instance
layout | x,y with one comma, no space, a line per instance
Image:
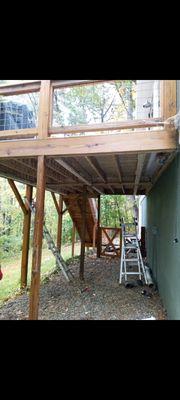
73,238
38,238
26,239
99,229
83,238
59,229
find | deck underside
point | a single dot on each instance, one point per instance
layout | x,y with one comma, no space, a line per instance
102,174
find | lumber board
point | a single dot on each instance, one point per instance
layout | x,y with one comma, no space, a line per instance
132,142
108,126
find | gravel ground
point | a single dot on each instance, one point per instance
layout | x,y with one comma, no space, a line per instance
99,297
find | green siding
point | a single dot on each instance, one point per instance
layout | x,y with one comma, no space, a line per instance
163,226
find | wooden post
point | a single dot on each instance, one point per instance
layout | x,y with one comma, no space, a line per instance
83,238
168,98
73,238
38,238
99,229
94,236
59,229
45,109
26,239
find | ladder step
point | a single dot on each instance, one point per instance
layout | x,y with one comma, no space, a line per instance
131,273
131,259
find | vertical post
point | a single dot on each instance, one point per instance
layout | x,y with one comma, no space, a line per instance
38,238
45,109
98,228
26,239
94,236
168,98
83,238
73,238
59,229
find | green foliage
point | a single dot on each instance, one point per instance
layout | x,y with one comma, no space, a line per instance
94,103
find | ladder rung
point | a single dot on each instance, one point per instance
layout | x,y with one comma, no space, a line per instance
131,273
130,259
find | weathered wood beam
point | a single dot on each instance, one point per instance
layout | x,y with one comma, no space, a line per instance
132,142
38,238
60,221
96,167
18,196
140,164
83,238
73,238
75,173
19,88
26,239
107,126
19,134
59,84
55,202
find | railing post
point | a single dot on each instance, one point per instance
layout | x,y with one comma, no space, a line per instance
45,109
168,98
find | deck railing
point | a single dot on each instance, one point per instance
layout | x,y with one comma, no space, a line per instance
45,128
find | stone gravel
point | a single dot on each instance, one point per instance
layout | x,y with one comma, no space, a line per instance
98,297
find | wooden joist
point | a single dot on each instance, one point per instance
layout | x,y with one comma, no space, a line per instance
96,167
75,173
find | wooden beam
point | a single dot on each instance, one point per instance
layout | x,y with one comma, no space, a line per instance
94,235
44,109
96,167
19,134
60,84
75,173
26,239
168,98
60,220
55,202
124,143
38,238
19,88
73,238
99,229
83,239
107,126
18,196
140,164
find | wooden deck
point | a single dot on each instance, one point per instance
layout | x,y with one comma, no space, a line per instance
123,157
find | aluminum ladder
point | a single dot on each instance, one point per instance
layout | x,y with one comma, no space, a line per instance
130,254
51,246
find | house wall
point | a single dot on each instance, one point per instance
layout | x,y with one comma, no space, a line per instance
161,216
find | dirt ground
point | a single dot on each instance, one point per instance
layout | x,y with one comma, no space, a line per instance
99,297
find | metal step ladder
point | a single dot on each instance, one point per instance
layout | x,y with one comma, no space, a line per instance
131,254
51,246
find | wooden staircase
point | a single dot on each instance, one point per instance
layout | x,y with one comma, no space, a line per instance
74,205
